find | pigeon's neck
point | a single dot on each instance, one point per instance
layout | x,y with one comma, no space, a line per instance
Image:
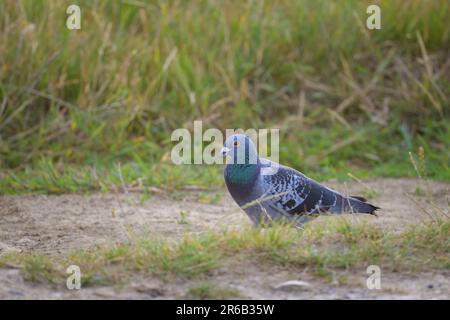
240,180
241,175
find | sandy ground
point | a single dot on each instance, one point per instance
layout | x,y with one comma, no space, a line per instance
59,224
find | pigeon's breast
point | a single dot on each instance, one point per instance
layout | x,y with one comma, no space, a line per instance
244,193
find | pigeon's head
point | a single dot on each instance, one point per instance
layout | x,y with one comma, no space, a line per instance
241,150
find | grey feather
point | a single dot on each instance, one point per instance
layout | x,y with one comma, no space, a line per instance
286,195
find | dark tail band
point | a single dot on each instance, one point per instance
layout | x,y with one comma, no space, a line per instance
359,206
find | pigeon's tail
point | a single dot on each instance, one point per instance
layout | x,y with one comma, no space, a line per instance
360,205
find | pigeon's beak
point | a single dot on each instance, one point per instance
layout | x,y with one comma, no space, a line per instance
224,151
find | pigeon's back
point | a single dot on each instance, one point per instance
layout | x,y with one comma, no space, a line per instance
290,194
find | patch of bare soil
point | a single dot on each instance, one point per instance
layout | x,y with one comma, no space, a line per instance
59,224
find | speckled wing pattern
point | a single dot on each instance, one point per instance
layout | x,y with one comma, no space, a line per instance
291,193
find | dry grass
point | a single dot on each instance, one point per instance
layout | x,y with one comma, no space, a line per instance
344,97
335,244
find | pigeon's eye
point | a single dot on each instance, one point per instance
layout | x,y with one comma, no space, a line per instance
236,143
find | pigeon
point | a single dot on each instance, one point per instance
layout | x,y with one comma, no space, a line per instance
281,193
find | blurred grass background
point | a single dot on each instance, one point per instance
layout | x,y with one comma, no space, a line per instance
94,108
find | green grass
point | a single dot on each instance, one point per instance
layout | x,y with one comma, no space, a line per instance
56,178
213,291
346,99
48,177
324,247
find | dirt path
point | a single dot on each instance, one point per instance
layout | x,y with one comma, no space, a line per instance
58,224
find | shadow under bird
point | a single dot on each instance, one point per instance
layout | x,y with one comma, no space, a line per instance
268,191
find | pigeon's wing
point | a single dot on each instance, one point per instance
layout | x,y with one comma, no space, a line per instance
292,193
